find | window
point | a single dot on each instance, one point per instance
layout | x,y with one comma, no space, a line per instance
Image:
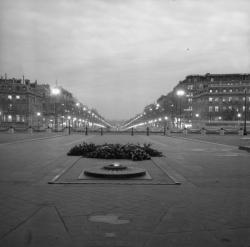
230,107
223,99
210,99
224,90
190,99
9,96
18,119
212,79
210,91
9,118
224,108
216,108
210,108
17,96
216,99
230,90
229,99
190,87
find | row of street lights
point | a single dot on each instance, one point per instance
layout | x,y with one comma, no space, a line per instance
180,93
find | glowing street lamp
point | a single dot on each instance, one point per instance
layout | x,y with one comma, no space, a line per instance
38,116
180,93
69,117
55,91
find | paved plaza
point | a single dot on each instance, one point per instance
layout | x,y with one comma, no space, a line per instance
199,196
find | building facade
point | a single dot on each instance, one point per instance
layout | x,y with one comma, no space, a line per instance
24,104
20,101
216,97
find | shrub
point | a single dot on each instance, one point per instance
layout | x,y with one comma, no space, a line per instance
115,151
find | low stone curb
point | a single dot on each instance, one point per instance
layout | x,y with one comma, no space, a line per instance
246,148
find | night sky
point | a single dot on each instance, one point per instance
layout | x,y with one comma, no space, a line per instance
118,55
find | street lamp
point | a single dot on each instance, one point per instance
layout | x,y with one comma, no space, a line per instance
55,91
180,93
69,117
239,116
38,116
245,119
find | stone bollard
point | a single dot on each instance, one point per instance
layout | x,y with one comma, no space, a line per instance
11,130
222,132
147,131
203,131
48,130
240,132
185,131
30,130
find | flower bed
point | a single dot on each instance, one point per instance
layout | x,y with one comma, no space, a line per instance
115,151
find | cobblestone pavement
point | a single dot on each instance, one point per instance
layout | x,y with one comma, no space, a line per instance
209,208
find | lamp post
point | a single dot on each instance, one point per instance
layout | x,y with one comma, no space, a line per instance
245,118
180,93
239,116
55,91
69,117
38,118
165,124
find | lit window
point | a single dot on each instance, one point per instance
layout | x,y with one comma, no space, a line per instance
229,99
224,90
210,108
17,96
9,96
216,99
216,108
9,118
210,99
210,91
18,118
230,107
230,90
223,99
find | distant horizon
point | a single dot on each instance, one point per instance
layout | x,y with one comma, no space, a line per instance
119,56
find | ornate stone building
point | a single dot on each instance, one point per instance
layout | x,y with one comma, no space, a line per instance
20,103
215,97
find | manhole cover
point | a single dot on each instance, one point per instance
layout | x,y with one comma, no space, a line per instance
108,218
